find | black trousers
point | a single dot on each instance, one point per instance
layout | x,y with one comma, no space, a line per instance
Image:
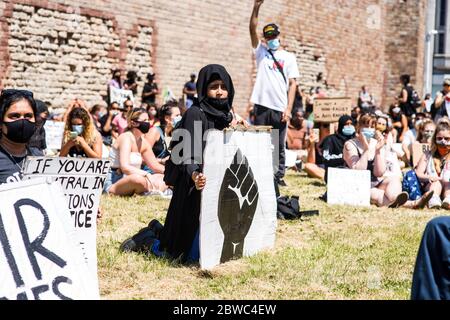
431,278
268,117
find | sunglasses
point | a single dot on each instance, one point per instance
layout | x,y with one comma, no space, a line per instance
11,92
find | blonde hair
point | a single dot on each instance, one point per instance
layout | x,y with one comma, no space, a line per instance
88,133
366,119
133,115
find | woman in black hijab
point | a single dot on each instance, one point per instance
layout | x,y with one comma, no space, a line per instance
211,110
333,146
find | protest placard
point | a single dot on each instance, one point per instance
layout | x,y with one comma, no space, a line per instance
331,109
418,149
82,180
54,132
348,187
238,209
120,95
39,255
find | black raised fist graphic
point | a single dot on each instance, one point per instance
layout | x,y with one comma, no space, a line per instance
238,199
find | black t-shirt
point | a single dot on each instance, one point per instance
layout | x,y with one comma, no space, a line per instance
10,167
191,86
148,88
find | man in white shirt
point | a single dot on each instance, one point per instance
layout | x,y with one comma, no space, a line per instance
274,91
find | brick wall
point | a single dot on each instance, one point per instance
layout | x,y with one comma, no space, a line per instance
62,50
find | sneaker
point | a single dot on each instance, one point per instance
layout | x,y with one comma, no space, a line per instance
435,202
401,200
156,227
140,242
446,203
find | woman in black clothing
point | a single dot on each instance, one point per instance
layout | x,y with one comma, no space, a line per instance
18,115
333,146
212,109
399,121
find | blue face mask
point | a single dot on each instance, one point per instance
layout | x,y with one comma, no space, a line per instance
273,44
348,130
78,128
176,120
369,133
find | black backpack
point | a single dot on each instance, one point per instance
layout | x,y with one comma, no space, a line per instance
289,209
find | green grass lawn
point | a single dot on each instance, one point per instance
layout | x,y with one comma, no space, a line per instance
344,253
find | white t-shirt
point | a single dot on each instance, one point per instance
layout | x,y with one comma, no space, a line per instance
270,88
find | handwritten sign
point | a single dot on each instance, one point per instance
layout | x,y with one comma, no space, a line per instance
348,187
120,95
39,255
331,109
82,180
54,132
418,149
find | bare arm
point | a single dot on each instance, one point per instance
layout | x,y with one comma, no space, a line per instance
404,98
352,159
291,98
254,22
439,100
149,157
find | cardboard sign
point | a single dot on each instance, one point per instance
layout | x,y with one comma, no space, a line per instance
39,256
331,109
120,95
82,180
238,209
418,149
348,187
54,133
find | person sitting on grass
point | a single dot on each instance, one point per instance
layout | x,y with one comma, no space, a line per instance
156,137
433,169
81,139
297,133
366,152
126,176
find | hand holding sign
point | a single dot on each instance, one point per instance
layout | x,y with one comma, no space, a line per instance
238,199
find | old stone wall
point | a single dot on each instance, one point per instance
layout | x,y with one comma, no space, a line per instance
66,49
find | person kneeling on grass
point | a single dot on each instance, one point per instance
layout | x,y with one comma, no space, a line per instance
179,238
366,152
126,176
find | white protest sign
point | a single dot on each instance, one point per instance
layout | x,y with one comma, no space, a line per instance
54,132
120,95
348,187
238,208
39,255
291,157
82,180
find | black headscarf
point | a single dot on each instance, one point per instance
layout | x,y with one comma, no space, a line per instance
222,117
342,120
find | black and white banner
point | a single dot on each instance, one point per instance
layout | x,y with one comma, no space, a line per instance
238,211
39,254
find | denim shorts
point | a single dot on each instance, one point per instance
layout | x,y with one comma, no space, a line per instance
111,178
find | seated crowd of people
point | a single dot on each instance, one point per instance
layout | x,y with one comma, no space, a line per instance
136,140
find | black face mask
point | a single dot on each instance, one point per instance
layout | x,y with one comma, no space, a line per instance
20,131
144,127
219,104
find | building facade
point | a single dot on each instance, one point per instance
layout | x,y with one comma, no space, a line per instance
66,49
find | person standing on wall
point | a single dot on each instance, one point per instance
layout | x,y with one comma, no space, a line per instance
274,91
